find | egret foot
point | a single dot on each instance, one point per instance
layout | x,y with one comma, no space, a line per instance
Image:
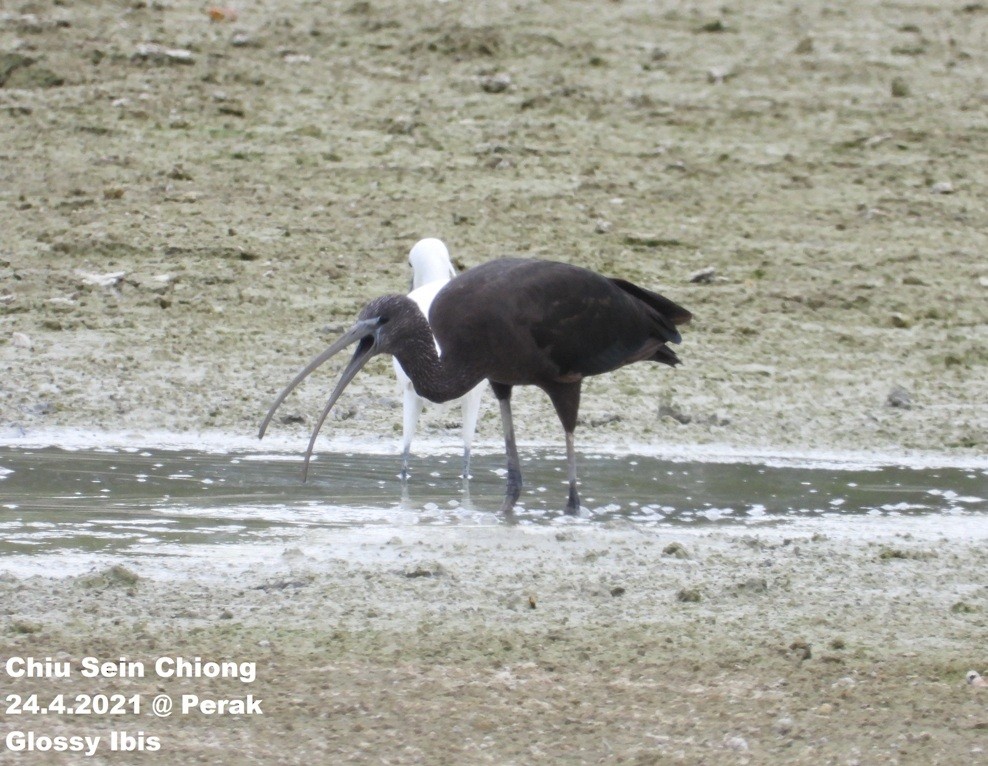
406,453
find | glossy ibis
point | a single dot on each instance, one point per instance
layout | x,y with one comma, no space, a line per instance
513,322
431,270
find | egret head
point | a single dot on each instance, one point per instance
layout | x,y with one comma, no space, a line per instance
430,262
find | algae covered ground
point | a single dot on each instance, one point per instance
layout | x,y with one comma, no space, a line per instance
194,202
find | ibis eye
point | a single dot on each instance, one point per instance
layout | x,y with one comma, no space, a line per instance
383,320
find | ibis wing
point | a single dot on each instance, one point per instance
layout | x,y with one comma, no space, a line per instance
592,325
526,321
672,313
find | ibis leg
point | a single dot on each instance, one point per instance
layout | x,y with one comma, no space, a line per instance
573,503
566,399
513,489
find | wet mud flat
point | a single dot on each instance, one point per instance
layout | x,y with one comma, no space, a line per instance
414,631
447,644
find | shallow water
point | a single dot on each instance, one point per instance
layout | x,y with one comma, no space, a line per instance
59,505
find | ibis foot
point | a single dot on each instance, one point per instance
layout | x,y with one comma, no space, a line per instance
573,504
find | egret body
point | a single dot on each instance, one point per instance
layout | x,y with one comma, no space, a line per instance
431,270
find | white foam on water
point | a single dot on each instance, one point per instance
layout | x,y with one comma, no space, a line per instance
290,447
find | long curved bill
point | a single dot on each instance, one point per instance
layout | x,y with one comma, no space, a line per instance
362,331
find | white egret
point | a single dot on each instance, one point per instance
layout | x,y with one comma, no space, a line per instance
431,270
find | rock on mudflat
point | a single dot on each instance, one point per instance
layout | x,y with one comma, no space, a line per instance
497,83
424,569
804,46
900,88
20,340
676,550
703,276
900,398
159,54
670,410
974,678
18,71
720,74
110,279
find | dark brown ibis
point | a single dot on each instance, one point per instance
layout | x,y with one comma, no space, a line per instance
513,322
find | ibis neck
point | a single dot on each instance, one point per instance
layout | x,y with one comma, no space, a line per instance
435,377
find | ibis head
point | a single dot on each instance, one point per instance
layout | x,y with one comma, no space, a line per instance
390,324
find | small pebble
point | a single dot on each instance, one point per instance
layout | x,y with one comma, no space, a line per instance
718,75
20,340
424,569
159,54
899,397
110,279
801,649
942,187
676,550
673,411
736,743
754,585
974,678
688,595
900,88
497,83
805,46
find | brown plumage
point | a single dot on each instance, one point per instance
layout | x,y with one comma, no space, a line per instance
513,322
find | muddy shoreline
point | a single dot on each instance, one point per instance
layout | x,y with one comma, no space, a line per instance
576,645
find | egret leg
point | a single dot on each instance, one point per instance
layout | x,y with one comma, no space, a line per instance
513,489
412,408
470,408
573,503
